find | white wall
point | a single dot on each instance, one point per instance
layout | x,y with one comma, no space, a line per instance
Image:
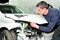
55,3
27,5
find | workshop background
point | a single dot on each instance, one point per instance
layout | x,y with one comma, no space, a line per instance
27,5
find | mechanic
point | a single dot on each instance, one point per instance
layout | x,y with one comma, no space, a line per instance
52,15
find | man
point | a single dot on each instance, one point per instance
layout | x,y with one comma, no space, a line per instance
51,15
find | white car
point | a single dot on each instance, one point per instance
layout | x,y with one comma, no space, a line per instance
8,26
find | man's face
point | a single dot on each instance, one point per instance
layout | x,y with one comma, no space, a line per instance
41,11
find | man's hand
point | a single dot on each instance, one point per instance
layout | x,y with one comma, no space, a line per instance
34,25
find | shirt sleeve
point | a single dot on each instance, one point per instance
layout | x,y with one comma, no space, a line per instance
51,24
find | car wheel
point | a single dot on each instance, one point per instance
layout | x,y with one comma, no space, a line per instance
13,35
6,35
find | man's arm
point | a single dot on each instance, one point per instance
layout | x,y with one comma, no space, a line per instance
51,24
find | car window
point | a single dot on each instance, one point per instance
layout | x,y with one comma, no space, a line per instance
9,9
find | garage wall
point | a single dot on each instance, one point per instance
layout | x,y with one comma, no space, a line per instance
55,3
28,5
23,2
25,5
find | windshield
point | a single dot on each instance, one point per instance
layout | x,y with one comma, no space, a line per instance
9,9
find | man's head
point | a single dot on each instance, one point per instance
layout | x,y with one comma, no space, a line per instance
42,7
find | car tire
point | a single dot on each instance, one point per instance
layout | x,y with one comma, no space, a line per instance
13,35
6,35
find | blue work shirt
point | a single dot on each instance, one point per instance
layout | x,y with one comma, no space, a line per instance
53,18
